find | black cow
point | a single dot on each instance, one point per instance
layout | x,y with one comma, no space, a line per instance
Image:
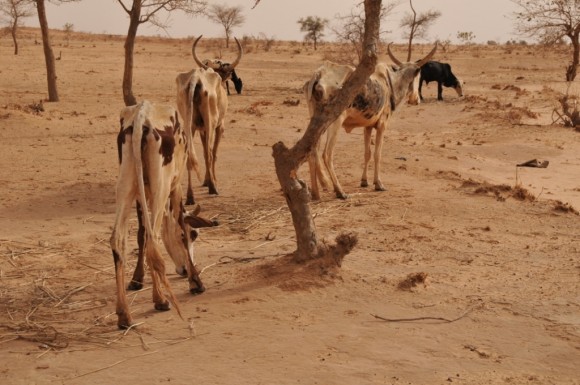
440,73
226,72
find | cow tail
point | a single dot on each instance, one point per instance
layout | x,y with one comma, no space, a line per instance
191,155
153,255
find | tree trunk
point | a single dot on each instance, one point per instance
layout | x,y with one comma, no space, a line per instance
411,32
13,28
48,54
134,17
573,67
287,161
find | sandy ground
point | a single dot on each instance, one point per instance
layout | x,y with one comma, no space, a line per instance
494,249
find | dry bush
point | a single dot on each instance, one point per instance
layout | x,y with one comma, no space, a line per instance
412,280
501,192
565,208
568,115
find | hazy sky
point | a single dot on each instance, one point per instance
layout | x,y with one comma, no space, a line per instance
487,19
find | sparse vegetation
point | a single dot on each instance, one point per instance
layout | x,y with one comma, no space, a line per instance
551,21
416,26
466,37
314,27
228,17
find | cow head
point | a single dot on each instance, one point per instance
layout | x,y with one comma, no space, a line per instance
225,70
411,69
192,222
458,87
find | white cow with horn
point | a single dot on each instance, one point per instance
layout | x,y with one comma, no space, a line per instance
371,109
202,102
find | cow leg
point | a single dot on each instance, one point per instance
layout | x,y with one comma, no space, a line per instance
118,247
328,157
213,180
228,87
206,179
137,280
439,91
420,87
190,197
378,153
191,165
368,131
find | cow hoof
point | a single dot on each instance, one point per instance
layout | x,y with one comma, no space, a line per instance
364,183
197,290
380,188
164,306
189,201
124,322
341,195
134,286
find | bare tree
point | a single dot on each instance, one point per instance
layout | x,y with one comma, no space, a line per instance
416,26
228,17
14,11
288,160
314,28
350,28
551,21
48,53
148,11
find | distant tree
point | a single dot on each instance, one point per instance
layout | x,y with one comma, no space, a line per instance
48,53
551,21
147,11
228,17
416,26
466,37
351,27
68,29
314,28
14,11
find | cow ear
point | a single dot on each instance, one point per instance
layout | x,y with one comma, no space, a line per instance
197,222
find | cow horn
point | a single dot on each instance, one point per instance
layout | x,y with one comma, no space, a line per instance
393,58
421,62
240,54
197,61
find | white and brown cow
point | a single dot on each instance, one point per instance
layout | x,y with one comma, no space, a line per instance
371,109
202,101
152,156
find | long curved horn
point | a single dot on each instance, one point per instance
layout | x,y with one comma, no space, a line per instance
393,58
240,54
197,61
428,57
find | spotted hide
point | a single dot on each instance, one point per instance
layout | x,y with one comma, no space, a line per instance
371,109
152,157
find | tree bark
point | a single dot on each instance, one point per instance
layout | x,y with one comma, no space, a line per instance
287,161
48,54
134,22
412,32
573,67
13,28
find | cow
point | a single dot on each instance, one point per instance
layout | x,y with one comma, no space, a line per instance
440,73
225,70
371,108
152,155
202,102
